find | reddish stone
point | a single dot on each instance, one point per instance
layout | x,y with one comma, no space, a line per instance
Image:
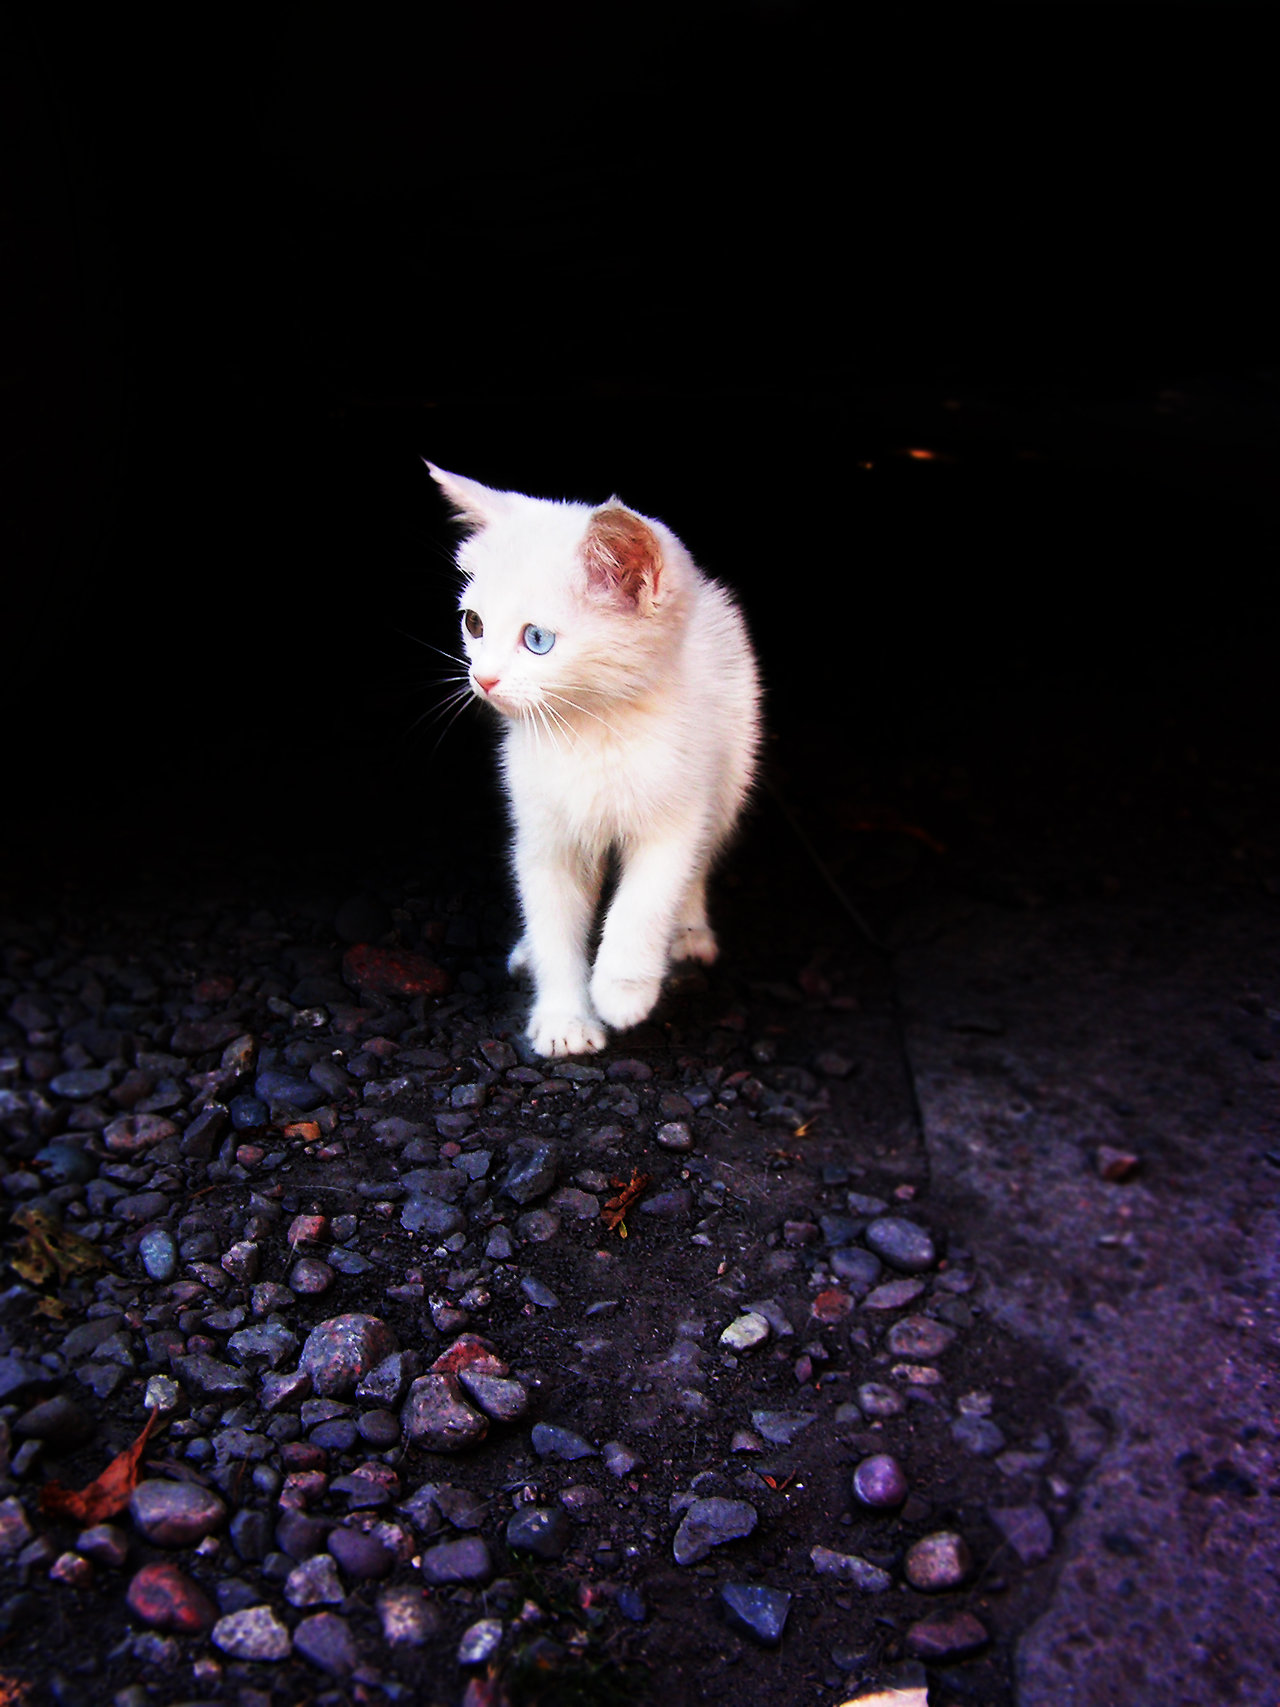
946,1636
160,1595
303,1455
469,1351
134,1132
831,1305
217,987
305,1131
392,972
1115,1165
306,1229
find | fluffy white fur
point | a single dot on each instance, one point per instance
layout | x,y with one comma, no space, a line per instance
636,733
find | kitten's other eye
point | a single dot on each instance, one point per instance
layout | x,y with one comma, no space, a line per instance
538,639
472,623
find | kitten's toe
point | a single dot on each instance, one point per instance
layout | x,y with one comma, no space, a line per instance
695,942
565,1034
518,959
624,1002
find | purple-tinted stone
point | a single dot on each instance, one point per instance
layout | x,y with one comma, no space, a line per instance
252,1634
361,1556
879,1482
436,1416
464,1561
541,1530
1026,1529
310,1277
175,1514
498,1396
710,1523
315,1582
938,1561
299,1535
378,1428
946,1636
325,1640
756,1610
343,1349
919,1336
339,1435
278,1390
104,1543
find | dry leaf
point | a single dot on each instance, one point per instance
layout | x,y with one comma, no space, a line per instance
106,1496
614,1212
48,1247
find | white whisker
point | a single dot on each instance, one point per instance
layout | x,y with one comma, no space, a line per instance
586,712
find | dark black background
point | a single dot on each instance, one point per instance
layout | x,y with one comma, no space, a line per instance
733,262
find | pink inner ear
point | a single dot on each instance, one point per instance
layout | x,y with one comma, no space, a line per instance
622,552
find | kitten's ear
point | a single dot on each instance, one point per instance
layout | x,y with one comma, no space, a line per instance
623,555
476,505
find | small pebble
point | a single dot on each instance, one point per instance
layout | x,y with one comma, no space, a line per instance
919,1336
252,1634
901,1243
339,1352
758,1611
552,1442
541,1530
946,1636
464,1561
407,1617
164,1597
175,1514
479,1641
711,1523
939,1561
850,1568
745,1332
878,1482
326,1641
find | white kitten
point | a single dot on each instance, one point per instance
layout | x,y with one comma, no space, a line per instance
631,701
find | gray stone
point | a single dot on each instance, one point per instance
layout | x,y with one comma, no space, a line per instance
407,1617
436,1415
538,1294
175,1514
340,1352
158,1253
431,1217
463,1561
857,1270
919,1337
531,1173
552,1442
252,1634
901,1243
893,1295
876,1400
326,1641
757,1611
265,1345
711,1523
946,1636
780,1428
978,1435
479,1641
498,1396
207,1378
1026,1529
540,1530
315,1582
848,1567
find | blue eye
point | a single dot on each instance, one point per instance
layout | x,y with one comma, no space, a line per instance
538,639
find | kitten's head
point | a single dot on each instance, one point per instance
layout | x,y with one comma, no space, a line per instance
565,609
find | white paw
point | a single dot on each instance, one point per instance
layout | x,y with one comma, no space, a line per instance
518,959
564,1034
695,942
624,1002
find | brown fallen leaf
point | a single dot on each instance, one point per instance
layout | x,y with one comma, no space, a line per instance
48,1248
615,1210
108,1494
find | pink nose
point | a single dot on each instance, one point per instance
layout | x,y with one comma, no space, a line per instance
486,684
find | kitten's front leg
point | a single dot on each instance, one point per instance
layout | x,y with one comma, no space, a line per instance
559,887
636,944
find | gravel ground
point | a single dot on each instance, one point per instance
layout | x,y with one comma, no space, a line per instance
865,1320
